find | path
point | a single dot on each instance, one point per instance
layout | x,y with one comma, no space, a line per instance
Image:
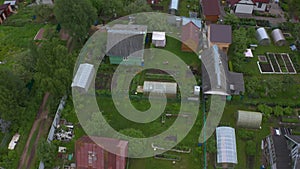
41,115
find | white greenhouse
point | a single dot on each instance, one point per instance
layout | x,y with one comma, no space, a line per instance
278,37
84,77
248,119
262,36
226,147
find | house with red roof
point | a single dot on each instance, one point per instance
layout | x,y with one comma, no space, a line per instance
248,6
210,10
190,37
91,153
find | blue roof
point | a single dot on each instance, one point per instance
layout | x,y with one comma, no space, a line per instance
196,21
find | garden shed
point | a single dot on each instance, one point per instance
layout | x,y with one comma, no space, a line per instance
278,37
226,147
249,119
159,39
160,87
83,77
262,36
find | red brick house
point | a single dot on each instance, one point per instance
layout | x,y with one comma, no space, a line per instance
211,10
190,37
90,154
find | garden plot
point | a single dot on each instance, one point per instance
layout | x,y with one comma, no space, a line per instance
276,63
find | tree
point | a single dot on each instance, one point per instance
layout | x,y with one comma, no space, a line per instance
245,134
288,111
134,146
6,161
278,111
54,68
211,145
75,16
231,19
44,12
266,110
106,10
138,6
250,148
46,152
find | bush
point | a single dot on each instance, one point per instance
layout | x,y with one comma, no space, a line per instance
245,134
250,148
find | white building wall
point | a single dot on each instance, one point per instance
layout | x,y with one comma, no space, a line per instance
262,8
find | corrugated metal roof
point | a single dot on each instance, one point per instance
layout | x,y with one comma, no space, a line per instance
160,87
126,40
226,145
196,21
84,76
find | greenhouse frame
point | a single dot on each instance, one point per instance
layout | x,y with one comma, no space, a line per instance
262,36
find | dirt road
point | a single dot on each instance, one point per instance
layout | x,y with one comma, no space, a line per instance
41,117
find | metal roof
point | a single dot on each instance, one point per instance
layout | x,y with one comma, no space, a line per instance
216,78
249,119
160,87
84,76
158,36
126,40
196,21
226,145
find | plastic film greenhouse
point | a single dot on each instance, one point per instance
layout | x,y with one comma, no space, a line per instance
226,147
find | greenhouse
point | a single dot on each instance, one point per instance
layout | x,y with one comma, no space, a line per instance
226,147
278,37
248,119
262,36
84,77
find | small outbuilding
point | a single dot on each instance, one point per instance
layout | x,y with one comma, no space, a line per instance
226,147
159,39
278,37
262,36
83,77
190,37
249,119
168,88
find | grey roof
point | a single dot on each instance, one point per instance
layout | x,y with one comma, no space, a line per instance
220,33
196,21
126,40
84,76
283,161
160,87
216,78
249,119
226,145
